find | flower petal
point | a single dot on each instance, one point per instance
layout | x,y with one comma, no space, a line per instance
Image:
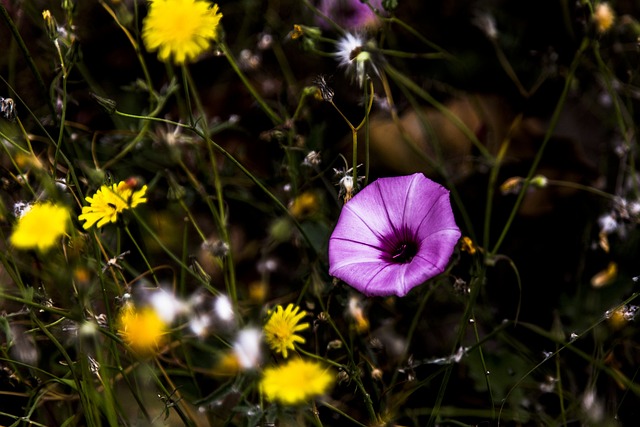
393,213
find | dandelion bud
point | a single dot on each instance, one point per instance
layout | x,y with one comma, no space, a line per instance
603,17
305,205
303,30
466,245
606,276
88,329
312,159
539,181
511,185
377,374
216,248
487,24
258,291
357,313
297,32
8,109
334,345
50,24
389,5
325,91
69,5
108,104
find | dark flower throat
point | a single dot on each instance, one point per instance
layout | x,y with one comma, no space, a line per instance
404,252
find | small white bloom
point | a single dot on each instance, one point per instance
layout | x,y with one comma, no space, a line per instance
21,208
607,223
592,406
247,348
223,308
487,24
166,305
352,53
199,325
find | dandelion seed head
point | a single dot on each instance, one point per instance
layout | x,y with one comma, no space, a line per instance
352,54
217,248
223,308
607,223
21,208
265,42
247,348
592,406
312,159
603,17
199,324
487,24
167,305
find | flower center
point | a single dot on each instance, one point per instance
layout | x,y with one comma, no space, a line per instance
404,252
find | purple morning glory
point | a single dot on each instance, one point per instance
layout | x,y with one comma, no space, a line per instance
349,14
393,236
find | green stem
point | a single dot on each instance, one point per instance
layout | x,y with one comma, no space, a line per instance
27,55
272,114
455,120
552,125
144,257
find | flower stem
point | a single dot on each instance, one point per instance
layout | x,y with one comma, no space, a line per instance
552,125
272,114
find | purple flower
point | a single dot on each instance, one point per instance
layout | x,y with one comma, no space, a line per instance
393,236
349,14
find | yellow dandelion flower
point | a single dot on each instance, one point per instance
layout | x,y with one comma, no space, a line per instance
305,205
603,16
296,382
40,227
108,202
280,330
180,29
143,330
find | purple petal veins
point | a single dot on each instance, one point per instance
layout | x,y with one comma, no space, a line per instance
393,236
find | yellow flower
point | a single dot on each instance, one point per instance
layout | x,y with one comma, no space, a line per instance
305,205
181,29
604,17
467,245
40,227
142,329
280,330
108,202
296,382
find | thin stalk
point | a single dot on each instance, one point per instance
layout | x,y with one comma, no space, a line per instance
27,56
552,125
275,118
